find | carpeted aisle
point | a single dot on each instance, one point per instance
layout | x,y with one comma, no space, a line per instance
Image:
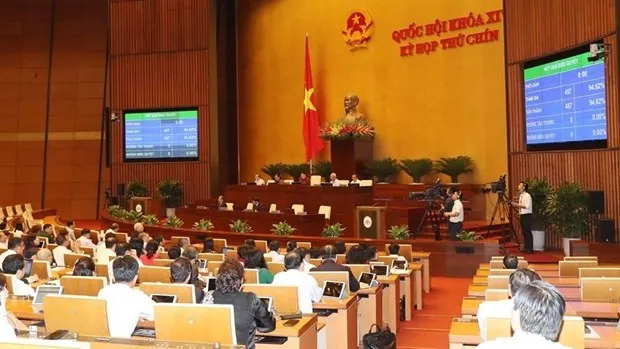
429,327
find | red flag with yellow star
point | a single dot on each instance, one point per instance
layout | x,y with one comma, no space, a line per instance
312,141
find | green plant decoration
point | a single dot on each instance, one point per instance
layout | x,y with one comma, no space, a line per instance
567,209
467,236
454,167
204,224
417,168
272,169
399,232
239,226
383,169
133,216
295,170
136,189
171,193
149,219
174,222
283,228
117,211
333,230
323,169
540,190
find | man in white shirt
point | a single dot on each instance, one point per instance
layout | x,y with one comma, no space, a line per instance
113,228
456,216
394,249
70,228
105,254
333,179
354,179
125,305
15,265
503,308
15,246
84,239
274,252
536,319
61,250
525,213
308,289
4,240
258,180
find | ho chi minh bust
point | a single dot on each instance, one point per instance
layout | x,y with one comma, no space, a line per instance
351,102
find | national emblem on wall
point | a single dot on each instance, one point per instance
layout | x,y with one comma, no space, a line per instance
357,29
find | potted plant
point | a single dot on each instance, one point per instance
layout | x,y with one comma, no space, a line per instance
455,166
136,189
149,219
295,170
417,168
133,216
323,169
272,169
117,211
399,232
173,222
333,230
239,226
171,194
204,224
467,236
568,213
283,228
383,169
540,190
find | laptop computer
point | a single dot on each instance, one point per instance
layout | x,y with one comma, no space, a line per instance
380,269
333,289
27,267
41,293
399,267
164,298
268,301
366,279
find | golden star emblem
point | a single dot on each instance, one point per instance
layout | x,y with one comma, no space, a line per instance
356,19
307,102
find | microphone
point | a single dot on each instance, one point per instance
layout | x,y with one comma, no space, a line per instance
437,180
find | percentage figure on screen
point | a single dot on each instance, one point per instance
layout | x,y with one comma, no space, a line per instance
598,116
599,132
596,101
568,105
597,86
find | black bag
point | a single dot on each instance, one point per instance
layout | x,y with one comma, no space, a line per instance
382,338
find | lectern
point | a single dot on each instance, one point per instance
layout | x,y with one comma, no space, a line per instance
141,204
348,156
370,222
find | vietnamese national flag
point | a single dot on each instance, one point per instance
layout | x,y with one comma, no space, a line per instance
312,141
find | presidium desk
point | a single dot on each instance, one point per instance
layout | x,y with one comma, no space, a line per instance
343,200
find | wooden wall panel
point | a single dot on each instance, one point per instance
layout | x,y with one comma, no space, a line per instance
535,28
160,59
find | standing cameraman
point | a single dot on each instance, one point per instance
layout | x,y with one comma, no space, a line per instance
525,212
455,220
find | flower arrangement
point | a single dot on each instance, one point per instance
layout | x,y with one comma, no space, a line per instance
239,226
345,129
283,228
204,224
399,232
333,231
173,222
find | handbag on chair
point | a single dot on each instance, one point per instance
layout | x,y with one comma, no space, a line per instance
381,338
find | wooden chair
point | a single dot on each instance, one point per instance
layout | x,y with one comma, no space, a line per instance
219,244
298,209
249,207
162,262
304,244
250,276
154,274
76,313
322,276
185,293
358,269
104,270
497,272
71,258
341,258
571,268
28,207
9,282
326,211
230,206
18,210
497,264
581,258
272,208
496,295
232,254
497,282
164,255
175,239
82,285
599,272
9,211
405,251
187,323
2,250
90,251
275,267
51,247
387,260
600,289
285,299
571,335
261,245
267,258
498,328
42,269
213,266
122,237
211,257
348,245
316,261
315,181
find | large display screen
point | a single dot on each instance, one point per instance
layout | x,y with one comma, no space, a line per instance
565,102
161,135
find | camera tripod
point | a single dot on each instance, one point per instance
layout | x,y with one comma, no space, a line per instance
432,216
503,207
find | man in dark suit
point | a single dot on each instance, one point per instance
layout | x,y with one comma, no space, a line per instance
329,264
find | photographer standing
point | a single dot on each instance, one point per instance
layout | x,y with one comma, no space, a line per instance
525,212
455,220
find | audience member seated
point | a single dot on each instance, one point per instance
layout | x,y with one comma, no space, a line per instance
3,226
160,243
254,259
503,308
274,252
113,229
123,249
137,229
305,255
70,228
61,250
125,304
145,237
84,239
333,179
45,254
15,265
137,247
31,245
19,230
329,264
190,253
258,180
357,255
35,229
108,250
47,232
4,240
181,273
208,246
250,242
291,246
183,243
354,179
241,252
394,249
340,247
303,179
151,253
251,314
174,252
308,289
277,178
371,253
536,319
220,202
511,261
8,322
15,246
84,266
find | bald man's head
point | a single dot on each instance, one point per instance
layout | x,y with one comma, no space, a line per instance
44,255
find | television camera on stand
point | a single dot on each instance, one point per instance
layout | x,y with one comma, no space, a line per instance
432,215
502,208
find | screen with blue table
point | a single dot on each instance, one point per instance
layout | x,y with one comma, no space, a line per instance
565,101
163,135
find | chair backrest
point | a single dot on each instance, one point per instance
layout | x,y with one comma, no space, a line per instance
2,250
298,208
275,267
501,258
187,323
163,255
304,244
42,269
315,181
497,282
581,258
71,258
213,266
90,251
272,208
28,207
599,272
348,245
185,293
51,247
18,210
498,328
322,276
232,254
76,314
2,213
9,211
104,270
219,244
230,206
358,269
82,285
250,276
601,289
326,211
211,257
316,261
498,264
285,299
501,271
366,183
387,260
249,206
175,239
404,250
9,282
571,268
344,182
122,237
572,333
261,245
341,258
162,262
270,181
154,274
496,295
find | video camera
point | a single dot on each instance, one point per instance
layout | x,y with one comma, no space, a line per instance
434,192
496,187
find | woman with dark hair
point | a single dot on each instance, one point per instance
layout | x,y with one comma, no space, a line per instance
251,314
31,246
84,266
138,246
241,251
208,246
151,252
357,255
254,259
291,246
